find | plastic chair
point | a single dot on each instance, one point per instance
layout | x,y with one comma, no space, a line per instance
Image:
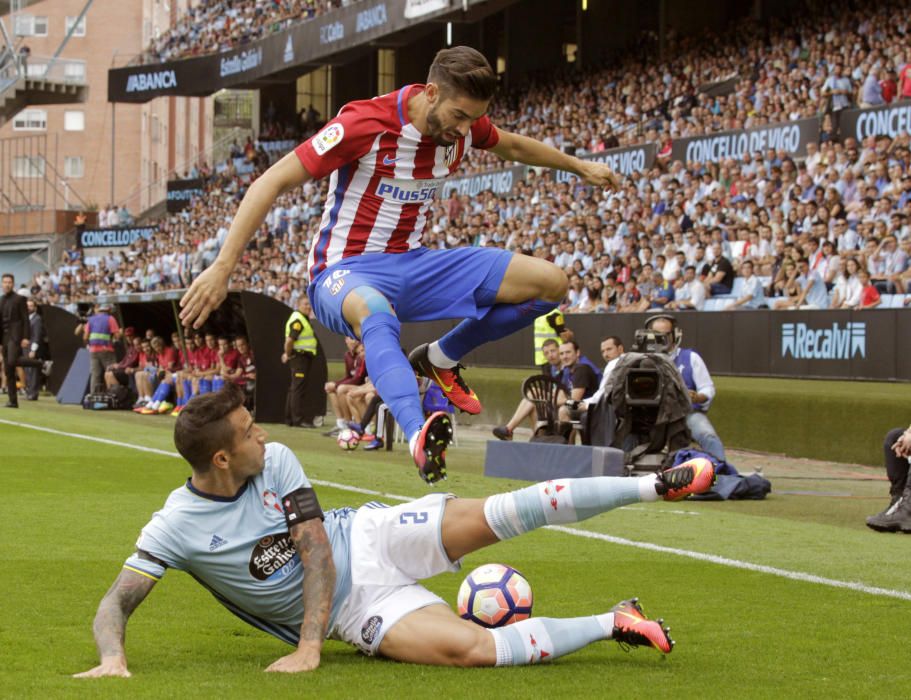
542,391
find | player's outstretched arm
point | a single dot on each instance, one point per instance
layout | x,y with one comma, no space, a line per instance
533,152
123,597
315,553
211,287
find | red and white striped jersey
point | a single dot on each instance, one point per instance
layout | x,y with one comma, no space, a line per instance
385,176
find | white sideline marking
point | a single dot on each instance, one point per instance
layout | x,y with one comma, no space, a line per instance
737,564
663,511
649,546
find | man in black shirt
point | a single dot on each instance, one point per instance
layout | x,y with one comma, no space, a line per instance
15,334
720,276
37,351
580,379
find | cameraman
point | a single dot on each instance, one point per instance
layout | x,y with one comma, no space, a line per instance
698,382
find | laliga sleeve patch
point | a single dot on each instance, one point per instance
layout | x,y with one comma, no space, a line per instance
301,505
328,138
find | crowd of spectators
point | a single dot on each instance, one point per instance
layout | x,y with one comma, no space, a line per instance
766,230
212,26
805,65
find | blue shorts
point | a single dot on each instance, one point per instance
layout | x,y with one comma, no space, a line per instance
421,285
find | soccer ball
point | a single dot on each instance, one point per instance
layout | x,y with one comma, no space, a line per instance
348,439
494,595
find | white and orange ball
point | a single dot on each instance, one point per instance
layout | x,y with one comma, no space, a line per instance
494,595
348,439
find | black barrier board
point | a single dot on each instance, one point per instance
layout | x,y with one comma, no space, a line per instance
878,359
750,343
711,338
180,192
891,120
790,137
808,344
296,46
118,237
902,348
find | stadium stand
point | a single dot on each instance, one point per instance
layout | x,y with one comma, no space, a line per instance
212,26
627,249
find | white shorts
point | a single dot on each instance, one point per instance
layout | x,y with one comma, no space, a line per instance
391,549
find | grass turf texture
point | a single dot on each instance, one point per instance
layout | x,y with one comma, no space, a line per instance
70,511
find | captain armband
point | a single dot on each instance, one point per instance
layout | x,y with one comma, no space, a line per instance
301,505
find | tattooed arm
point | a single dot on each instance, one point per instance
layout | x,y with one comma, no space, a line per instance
123,597
315,554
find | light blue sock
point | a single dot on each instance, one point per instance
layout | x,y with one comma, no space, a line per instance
541,639
563,501
390,370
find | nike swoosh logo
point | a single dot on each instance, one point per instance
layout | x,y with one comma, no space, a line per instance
388,161
436,378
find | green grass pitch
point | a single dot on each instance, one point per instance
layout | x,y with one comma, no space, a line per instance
70,511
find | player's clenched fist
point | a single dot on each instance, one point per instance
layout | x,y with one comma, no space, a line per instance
111,666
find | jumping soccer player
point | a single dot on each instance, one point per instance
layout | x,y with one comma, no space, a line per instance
248,526
368,271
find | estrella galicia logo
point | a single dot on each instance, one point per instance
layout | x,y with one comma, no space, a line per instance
371,628
836,343
273,557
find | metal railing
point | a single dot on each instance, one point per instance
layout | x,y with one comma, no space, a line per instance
58,70
211,155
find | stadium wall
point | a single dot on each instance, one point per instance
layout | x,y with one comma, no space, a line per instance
851,345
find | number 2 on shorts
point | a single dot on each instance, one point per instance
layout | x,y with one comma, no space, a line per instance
413,518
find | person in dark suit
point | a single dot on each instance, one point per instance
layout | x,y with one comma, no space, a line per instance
15,334
37,352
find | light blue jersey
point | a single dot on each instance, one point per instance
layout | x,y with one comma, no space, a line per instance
240,550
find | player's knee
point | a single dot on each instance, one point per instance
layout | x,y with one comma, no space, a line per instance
362,302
